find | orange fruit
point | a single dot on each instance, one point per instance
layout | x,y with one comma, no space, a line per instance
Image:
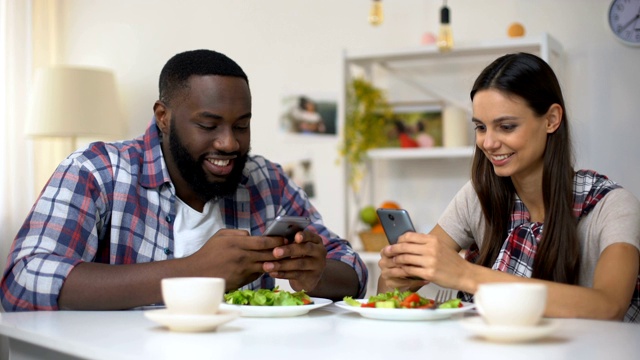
515,30
390,205
377,228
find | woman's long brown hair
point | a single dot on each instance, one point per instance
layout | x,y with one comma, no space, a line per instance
558,254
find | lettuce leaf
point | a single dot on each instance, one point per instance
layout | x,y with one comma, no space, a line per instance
266,297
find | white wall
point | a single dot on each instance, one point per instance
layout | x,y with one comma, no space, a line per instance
292,45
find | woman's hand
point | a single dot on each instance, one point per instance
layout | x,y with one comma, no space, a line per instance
393,276
430,257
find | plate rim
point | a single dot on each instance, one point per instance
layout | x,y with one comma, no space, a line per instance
404,314
277,311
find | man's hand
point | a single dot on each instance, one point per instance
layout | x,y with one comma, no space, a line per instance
235,256
302,262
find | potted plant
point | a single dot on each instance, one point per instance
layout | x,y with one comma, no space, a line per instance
367,114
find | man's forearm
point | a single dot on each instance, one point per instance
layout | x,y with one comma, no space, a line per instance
338,280
92,286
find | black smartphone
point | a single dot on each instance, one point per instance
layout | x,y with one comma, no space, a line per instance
395,222
287,226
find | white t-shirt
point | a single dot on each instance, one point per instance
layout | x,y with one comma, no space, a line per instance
192,228
614,219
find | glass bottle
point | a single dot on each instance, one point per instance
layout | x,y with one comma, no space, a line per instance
376,14
445,37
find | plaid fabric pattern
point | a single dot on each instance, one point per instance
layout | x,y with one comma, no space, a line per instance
114,203
519,249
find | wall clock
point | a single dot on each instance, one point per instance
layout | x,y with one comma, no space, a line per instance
624,21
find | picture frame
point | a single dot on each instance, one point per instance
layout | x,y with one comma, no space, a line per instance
416,124
309,114
301,171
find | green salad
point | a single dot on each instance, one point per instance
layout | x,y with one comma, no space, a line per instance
266,297
402,300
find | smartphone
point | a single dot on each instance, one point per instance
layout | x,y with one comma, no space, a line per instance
395,222
287,226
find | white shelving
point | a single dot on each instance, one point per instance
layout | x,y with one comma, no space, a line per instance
420,153
423,68
543,45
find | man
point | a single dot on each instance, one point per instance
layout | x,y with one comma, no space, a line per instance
185,199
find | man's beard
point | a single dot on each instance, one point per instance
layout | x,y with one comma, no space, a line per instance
193,173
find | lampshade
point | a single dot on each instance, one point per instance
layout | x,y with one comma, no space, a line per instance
74,102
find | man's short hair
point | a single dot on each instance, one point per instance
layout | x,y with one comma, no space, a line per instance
176,72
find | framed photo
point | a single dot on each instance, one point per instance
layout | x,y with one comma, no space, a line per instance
309,114
301,172
415,125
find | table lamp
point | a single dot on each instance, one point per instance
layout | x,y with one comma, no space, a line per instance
74,102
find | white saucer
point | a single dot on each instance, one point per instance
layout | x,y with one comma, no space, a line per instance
509,333
191,323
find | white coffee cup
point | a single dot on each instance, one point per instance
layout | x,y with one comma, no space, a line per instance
193,295
511,304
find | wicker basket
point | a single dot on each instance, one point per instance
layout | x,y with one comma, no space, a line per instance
373,242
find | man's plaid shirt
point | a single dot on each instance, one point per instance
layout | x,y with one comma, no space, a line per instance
114,203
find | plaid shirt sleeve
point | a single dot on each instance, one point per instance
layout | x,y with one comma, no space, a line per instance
59,232
110,203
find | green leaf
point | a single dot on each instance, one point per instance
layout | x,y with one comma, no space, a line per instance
350,301
367,115
451,304
266,297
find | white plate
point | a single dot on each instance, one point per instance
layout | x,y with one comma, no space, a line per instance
509,333
276,311
405,314
190,323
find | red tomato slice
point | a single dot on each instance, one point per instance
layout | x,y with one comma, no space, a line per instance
411,301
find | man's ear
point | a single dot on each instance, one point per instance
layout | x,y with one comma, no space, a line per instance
553,117
163,116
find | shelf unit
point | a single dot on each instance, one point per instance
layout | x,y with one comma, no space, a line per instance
542,45
420,153
426,70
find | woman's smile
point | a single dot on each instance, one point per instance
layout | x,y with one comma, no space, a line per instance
500,160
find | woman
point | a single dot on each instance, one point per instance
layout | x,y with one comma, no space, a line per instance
523,182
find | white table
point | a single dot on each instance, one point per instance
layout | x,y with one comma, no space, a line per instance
325,333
